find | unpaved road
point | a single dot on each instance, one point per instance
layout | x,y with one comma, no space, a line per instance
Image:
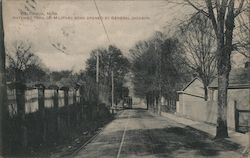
136,133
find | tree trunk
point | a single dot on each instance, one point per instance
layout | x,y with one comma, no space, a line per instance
224,49
205,93
41,108
223,68
22,130
3,89
159,104
221,130
147,100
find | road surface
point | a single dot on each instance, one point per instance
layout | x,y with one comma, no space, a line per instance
136,133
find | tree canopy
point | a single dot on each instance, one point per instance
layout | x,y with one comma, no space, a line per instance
157,65
110,59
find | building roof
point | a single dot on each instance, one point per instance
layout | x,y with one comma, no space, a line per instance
238,79
196,78
193,88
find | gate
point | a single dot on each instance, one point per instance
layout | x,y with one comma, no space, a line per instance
242,118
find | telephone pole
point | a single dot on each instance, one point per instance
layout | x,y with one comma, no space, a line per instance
112,89
97,81
97,67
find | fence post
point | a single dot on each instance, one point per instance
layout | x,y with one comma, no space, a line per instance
55,98
74,96
56,106
41,108
236,116
82,100
66,96
22,129
66,103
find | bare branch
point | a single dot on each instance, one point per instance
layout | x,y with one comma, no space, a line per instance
239,10
198,9
211,15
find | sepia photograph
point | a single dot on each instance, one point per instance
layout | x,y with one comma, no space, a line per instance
124,78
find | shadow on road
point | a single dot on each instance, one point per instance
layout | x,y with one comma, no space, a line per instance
169,142
140,113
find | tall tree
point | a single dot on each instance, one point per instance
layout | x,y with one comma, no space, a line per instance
198,41
3,90
222,14
110,59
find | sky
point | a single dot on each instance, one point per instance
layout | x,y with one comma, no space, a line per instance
65,43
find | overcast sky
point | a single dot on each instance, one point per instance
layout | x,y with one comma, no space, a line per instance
79,37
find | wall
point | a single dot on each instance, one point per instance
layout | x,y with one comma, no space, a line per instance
242,99
193,107
198,109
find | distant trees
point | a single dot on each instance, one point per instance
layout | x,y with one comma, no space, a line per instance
198,42
58,75
110,59
158,68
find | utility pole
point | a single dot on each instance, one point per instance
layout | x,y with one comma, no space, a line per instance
97,81
97,67
112,89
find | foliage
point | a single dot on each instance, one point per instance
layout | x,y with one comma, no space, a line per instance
157,66
58,75
110,59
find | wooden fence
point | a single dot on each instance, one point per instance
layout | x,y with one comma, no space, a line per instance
45,115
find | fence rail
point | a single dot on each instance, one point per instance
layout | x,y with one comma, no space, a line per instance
48,97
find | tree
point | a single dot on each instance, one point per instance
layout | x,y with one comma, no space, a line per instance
144,68
110,59
34,73
198,43
22,60
3,89
175,74
222,14
158,69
